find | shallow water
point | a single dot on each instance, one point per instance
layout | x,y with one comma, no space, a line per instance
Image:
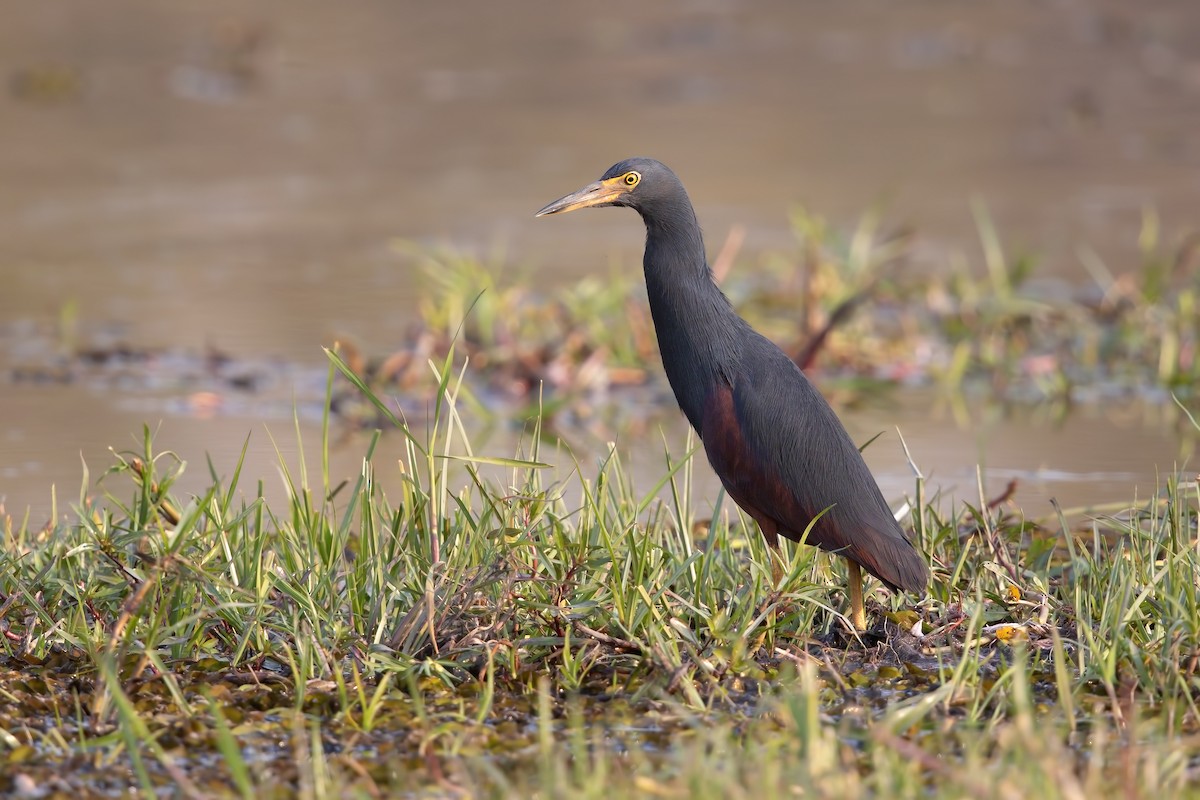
235,175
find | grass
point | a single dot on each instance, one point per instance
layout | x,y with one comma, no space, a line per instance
501,627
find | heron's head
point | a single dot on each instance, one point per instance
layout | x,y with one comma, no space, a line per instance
643,184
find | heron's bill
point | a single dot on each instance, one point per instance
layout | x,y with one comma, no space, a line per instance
600,193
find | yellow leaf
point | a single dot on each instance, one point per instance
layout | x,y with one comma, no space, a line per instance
905,619
1010,633
651,786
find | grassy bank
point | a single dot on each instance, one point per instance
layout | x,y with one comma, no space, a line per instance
503,627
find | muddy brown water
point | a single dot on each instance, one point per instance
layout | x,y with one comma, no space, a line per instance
235,175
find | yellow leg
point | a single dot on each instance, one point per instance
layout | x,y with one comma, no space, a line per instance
858,615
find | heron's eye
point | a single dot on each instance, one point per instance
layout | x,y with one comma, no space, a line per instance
632,178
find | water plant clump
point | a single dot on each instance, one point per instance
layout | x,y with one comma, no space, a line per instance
461,623
846,305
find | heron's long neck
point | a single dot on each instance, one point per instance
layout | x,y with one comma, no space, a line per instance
697,328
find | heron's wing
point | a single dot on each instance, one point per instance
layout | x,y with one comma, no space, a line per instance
797,460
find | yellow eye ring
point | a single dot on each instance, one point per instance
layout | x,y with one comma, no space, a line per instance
632,178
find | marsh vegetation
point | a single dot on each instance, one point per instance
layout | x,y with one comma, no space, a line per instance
536,622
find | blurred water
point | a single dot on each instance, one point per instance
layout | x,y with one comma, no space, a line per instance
235,174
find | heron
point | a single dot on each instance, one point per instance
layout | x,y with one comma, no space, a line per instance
777,446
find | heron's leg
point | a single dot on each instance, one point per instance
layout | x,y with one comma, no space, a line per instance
858,615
